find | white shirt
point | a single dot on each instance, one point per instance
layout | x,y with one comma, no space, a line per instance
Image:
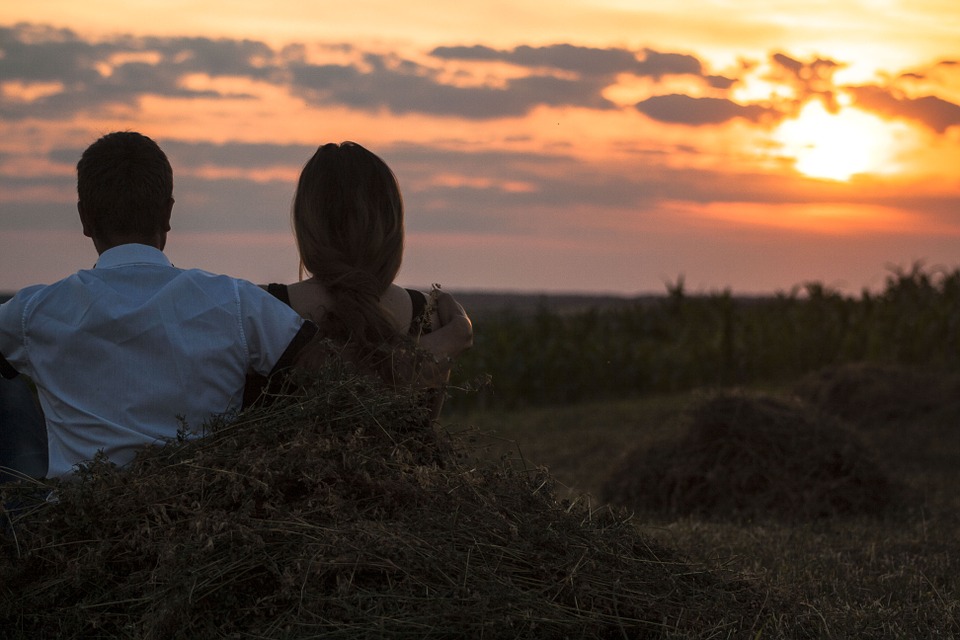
120,351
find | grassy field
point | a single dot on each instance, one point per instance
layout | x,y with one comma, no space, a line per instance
893,575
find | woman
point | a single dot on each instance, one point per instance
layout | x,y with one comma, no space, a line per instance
348,224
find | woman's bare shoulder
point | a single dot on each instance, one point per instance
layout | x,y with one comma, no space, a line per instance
395,301
309,298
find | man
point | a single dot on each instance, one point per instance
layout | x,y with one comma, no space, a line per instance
128,353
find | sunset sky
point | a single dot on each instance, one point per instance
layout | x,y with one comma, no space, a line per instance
565,145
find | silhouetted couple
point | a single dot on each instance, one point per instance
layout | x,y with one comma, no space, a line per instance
121,353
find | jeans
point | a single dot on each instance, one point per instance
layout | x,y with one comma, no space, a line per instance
23,432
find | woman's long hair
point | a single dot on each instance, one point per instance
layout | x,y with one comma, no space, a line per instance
348,224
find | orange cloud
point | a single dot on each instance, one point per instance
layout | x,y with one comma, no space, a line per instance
821,218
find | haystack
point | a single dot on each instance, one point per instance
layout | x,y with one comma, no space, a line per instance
880,395
339,511
751,456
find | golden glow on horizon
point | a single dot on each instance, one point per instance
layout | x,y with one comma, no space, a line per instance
821,218
288,175
451,180
837,146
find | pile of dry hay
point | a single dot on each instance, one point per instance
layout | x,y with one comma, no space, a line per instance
339,512
749,456
878,395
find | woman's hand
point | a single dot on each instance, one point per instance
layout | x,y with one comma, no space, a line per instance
455,334
439,348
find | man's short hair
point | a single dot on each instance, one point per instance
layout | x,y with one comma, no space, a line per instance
125,185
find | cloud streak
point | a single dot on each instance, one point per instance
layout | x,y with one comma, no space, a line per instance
77,75
936,113
682,109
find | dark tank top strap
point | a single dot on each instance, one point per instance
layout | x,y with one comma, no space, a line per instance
419,321
279,291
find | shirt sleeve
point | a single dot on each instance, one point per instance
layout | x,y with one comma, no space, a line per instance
274,332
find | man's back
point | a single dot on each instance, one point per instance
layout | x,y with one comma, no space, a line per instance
122,352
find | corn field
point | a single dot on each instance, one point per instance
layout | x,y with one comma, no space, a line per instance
679,342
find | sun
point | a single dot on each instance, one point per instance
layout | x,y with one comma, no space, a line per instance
837,146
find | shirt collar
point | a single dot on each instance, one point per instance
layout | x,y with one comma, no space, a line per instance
126,254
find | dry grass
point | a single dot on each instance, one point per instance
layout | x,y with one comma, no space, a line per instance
339,511
909,415
752,456
894,574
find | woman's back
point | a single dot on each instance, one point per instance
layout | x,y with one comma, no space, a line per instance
311,299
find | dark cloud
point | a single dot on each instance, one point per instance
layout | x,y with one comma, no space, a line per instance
657,64
567,57
30,54
683,109
815,79
936,113
583,60
221,57
140,67
43,54
470,52
406,87
39,53
788,63
594,61
720,82
816,69
93,76
810,79
403,86
947,66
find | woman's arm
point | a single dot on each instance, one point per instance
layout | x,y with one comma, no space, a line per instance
455,334
442,345
452,338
